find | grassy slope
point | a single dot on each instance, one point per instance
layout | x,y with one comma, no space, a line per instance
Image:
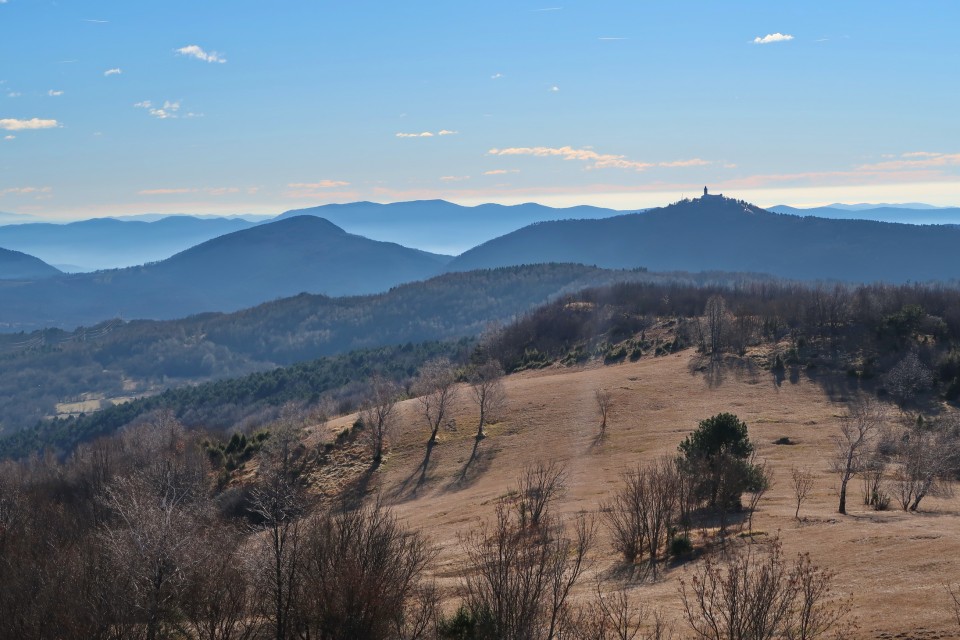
893,563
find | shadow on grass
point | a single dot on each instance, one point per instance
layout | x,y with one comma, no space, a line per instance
407,489
355,492
476,465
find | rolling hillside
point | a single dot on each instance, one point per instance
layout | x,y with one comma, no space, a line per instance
15,265
237,270
725,234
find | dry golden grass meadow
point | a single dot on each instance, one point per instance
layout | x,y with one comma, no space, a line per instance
893,564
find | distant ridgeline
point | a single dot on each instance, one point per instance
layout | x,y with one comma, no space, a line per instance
718,233
305,253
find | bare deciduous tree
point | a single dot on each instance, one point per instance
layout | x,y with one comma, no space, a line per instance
519,578
643,511
488,392
857,428
760,484
603,398
152,545
219,601
802,483
757,595
277,503
362,576
436,388
379,415
716,315
615,616
537,487
928,453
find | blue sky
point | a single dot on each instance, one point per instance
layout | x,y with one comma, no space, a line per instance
120,107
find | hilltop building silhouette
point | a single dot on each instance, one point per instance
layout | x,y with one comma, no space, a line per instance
707,195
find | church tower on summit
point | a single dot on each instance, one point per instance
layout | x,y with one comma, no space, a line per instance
708,196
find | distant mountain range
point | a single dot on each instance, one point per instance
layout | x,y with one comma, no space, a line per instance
234,271
105,243
306,253
431,225
730,235
908,214
441,226
15,265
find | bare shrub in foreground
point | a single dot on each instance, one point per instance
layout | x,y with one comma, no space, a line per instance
758,595
538,486
362,576
519,578
643,512
615,616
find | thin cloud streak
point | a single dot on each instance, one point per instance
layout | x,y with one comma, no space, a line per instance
323,184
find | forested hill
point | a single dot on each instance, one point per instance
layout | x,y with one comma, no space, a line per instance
731,235
115,360
227,273
15,265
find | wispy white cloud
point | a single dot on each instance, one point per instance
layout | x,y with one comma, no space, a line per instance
25,191
454,178
597,160
213,191
693,162
500,172
167,111
607,38
95,21
195,51
323,184
427,134
9,137
13,94
915,160
12,124
772,37
53,94
496,76
113,72
554,88
546,9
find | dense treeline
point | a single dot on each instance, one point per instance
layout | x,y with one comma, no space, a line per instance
907,337
255,398
41,369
